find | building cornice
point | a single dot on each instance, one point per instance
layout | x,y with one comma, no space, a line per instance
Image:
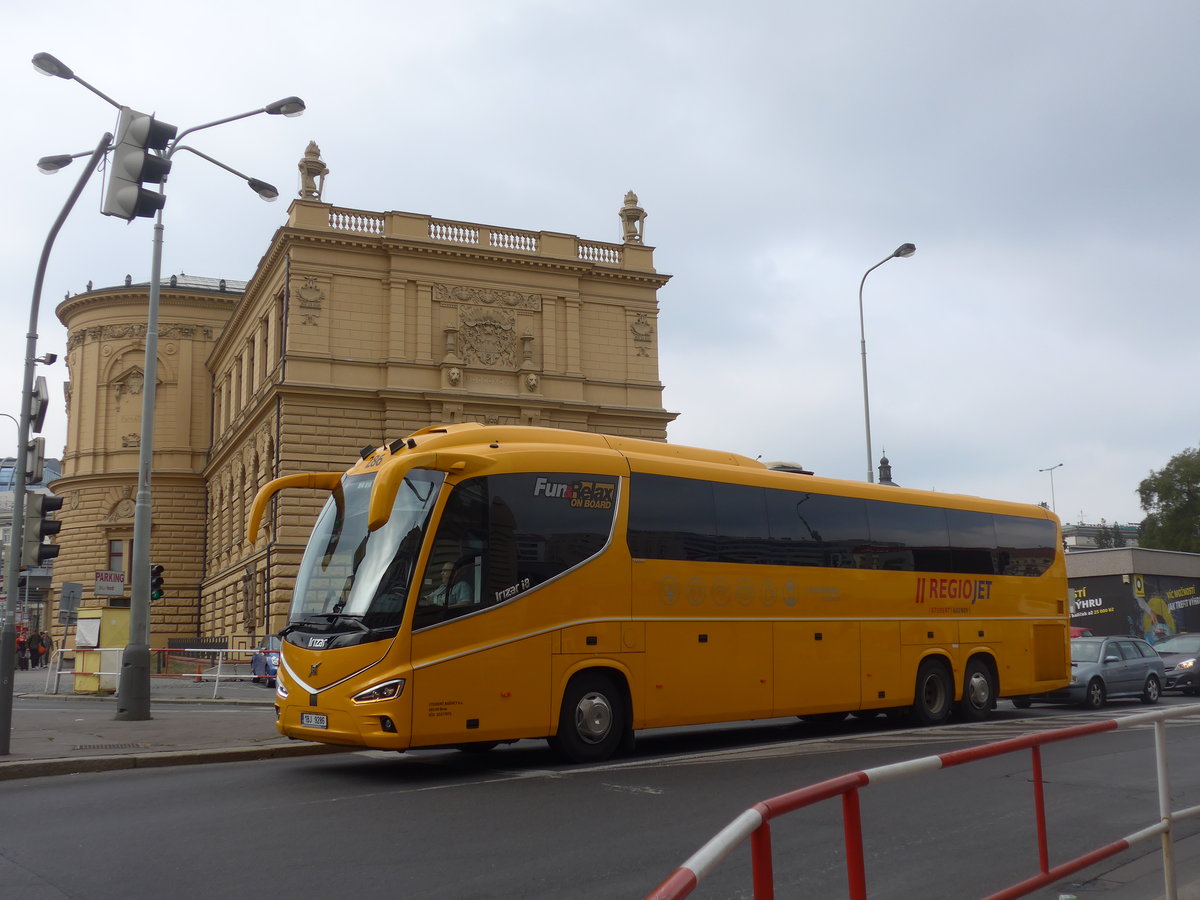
135,295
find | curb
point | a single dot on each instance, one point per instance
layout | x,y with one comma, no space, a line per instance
37,768
154,701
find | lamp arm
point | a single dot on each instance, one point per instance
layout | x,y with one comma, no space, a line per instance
179,137
215,162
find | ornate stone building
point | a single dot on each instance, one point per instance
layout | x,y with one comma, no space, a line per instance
106,334
358,327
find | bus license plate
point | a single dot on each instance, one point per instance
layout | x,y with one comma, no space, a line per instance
314,720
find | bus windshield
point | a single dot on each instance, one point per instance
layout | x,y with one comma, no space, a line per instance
350,571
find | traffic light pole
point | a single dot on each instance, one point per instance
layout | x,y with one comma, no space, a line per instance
133,165
8,629
133,689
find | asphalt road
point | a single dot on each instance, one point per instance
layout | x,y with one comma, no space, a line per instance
518,823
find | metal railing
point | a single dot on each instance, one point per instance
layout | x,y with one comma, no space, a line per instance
196,665
754,823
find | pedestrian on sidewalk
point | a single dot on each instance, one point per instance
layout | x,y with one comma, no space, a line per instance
22,653
47,644
35,650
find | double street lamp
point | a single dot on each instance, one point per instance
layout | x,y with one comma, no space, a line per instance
142,153
903,251
8,632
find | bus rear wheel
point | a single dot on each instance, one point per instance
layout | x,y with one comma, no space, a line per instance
593,719
935,694
979,691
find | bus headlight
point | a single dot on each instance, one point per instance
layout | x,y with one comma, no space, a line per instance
280,688
389,690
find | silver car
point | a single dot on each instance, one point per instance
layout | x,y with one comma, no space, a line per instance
1106,667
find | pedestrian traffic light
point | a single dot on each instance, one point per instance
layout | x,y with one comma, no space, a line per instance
39,523
156,583
133,165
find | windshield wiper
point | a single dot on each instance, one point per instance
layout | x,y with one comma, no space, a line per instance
344,619
331,619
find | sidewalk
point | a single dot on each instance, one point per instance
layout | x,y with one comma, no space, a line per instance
64,733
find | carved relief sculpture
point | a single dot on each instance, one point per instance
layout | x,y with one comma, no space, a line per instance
448,293
488,336
131,382
309,297
643,334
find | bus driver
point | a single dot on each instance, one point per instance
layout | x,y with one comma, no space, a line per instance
448,593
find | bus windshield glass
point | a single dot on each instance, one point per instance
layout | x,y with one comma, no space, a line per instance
350,571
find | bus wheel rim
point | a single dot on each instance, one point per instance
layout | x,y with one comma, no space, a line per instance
593,717
978,691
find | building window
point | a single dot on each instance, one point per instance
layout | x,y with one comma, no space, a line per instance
120,552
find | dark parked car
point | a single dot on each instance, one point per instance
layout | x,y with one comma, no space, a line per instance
265,662
1107,667
1180,653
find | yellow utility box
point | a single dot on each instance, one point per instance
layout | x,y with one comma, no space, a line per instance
100,637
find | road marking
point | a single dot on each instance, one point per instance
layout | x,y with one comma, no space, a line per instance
631,789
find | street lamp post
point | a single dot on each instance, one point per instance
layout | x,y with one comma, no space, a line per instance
903,251
1050,469
133,690
8,631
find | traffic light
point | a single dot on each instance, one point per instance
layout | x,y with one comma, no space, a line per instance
35,460
156,583
133,165
39,523
39,402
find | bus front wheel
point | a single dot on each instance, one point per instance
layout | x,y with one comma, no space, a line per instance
592,720
935,694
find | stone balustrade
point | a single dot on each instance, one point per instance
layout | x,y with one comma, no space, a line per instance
403,225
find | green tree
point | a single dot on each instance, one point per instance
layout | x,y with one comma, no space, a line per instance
1170,498
1104,538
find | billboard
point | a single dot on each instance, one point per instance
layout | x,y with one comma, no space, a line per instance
1153,607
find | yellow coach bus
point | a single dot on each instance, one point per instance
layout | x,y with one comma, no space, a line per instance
470,585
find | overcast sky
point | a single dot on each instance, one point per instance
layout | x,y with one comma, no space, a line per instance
1041,155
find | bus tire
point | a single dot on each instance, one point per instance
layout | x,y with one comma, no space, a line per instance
1022,702
593,720
979,691
934,698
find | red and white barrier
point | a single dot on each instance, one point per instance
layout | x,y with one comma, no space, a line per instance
755,822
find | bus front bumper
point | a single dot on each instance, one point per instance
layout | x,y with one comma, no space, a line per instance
376,728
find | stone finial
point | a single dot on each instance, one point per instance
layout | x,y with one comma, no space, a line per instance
312,173
633,218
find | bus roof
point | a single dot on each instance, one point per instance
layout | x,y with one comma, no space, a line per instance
473,440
